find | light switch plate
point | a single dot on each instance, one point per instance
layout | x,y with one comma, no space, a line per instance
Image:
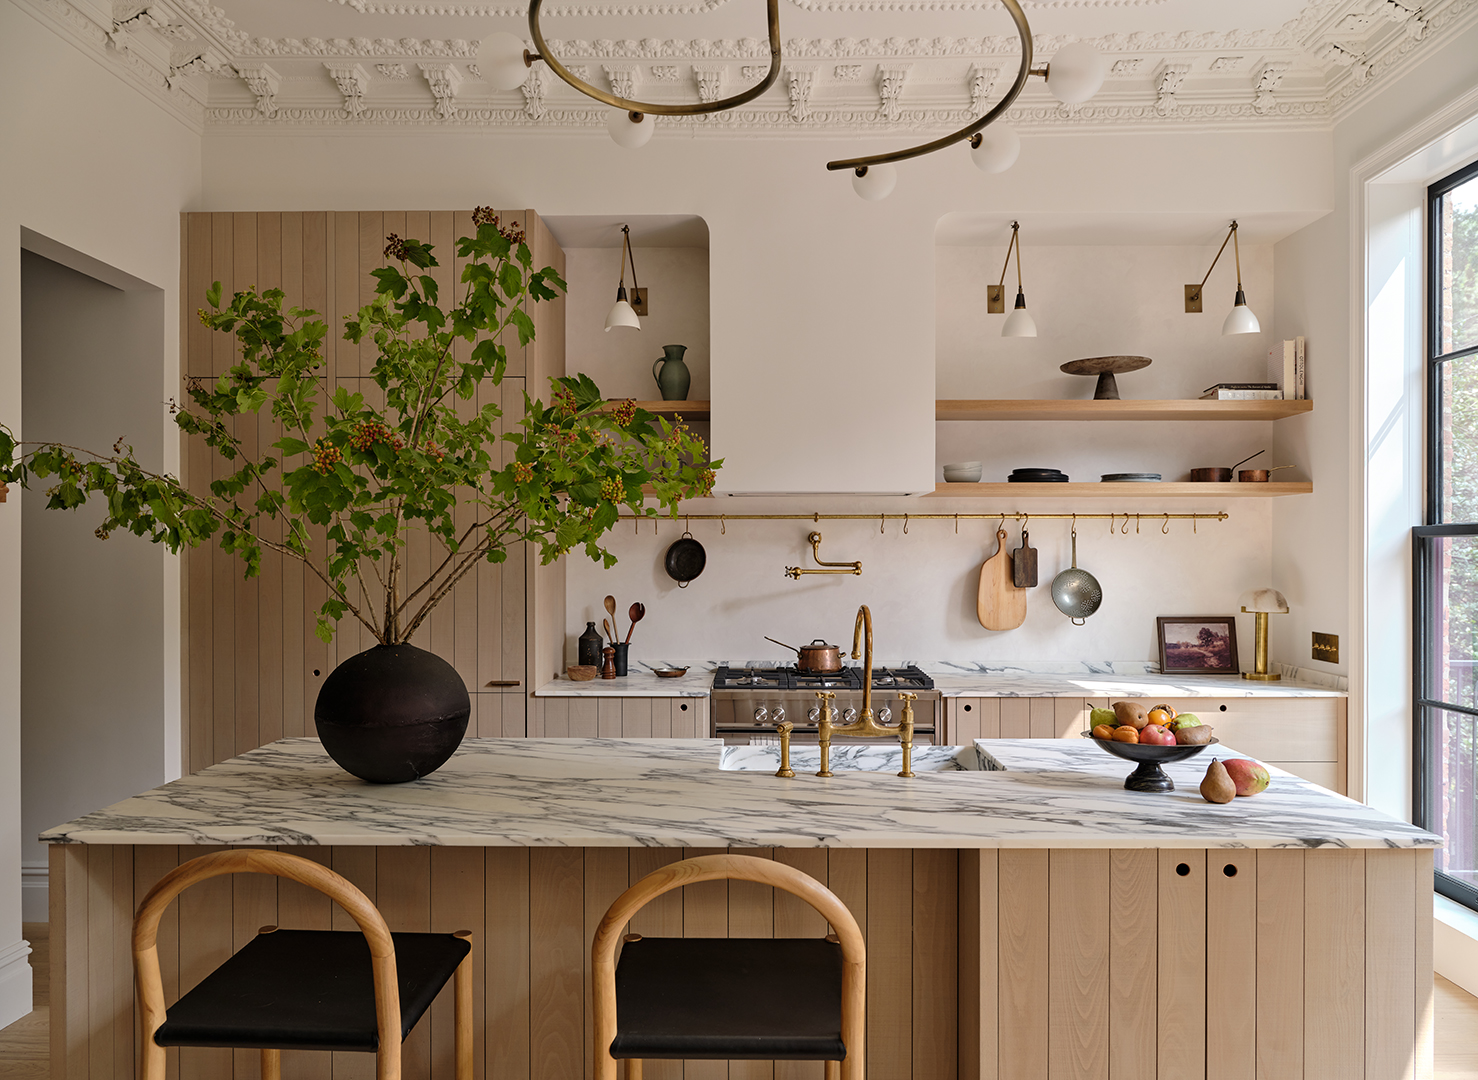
1326,647
639,300
995,299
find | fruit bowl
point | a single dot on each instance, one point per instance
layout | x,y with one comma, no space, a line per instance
1149,776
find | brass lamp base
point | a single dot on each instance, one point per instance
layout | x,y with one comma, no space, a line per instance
1262,676
1260,672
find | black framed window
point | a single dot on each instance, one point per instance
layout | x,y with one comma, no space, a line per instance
1445,549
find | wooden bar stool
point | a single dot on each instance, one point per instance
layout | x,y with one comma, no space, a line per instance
783,999
301,989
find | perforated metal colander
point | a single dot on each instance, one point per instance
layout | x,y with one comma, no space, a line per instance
1076,593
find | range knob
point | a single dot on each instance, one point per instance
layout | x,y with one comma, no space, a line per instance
761,715
849,715
813,714
885,714
779,714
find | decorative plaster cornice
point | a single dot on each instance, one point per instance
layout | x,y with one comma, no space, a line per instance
515,9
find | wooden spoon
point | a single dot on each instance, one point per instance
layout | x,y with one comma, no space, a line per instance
609,636
615,627
637,613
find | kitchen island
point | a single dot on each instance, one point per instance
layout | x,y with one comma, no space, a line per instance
1032,921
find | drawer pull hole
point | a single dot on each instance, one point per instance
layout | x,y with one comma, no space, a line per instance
968,707
1183,869
315,671
1229,870
684,708
1223,708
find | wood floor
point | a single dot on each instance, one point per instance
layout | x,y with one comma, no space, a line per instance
24,1050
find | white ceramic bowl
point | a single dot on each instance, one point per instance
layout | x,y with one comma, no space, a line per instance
962,472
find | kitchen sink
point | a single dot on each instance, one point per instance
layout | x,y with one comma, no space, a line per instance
859,758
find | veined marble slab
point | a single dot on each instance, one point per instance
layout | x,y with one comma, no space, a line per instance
639,682
955,679
672,793
879,757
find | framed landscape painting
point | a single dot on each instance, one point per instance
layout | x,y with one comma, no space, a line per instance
1198,644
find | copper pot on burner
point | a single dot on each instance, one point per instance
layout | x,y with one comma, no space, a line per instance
817,658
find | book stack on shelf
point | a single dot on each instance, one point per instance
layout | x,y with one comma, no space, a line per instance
1242,391
1285,378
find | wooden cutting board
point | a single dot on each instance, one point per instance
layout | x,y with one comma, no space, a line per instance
1000,605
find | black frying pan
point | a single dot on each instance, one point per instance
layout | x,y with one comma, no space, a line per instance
685,560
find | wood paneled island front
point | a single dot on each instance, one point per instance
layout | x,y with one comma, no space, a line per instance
1034,921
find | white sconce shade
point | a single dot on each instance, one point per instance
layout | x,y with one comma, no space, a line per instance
875,182
1076,73
500,59
628,132
622,315
1240,319
999,148
1019,323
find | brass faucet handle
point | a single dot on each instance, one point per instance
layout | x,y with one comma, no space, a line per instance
826,695
785,727
907,695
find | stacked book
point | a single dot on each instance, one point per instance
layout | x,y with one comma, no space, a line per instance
1243,391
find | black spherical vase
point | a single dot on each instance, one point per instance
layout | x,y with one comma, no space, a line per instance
392,713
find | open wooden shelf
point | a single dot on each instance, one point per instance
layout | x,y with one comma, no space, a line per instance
1163,490
1027,409
688,410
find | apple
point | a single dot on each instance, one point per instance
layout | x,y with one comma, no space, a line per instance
1157,735
1249,776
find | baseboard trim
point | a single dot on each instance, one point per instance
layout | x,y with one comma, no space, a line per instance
35,892
15,982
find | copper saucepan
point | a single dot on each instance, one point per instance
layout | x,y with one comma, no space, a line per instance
1219,476
817,658
1258,476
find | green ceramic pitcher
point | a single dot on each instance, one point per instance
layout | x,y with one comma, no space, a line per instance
672,375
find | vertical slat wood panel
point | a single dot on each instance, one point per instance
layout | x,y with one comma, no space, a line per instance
359,865
290,602
705,914
557,718
1422,900
506,923
1078,959
935,908
583,718
1182,966
403,895
662,718
608,718
889,962
318,286
636,718
224,569
752,914
100,960
1134,903
1390,963
1070,717
607,875
1016,718
199,567
269,586
187,316
1231,964
302,908
248,594
149,865
67,903
458,877
964,720
1280,964
794,918
253,906
205,944
663,917
979,1039
1024,1007
121,907
990,717
1042,716
1334,964
557,949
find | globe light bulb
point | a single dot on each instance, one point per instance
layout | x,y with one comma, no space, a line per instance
875,182
500,59
1076,73
628,132
999,148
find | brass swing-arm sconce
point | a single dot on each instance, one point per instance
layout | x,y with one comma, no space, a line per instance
1240,320
795,572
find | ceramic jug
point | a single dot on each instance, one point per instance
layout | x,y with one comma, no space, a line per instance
672,375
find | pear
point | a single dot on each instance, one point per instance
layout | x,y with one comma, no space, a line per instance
1199,735
1184,720
1103,716
1131,712
1217,787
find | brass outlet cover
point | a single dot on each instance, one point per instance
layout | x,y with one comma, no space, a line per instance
995,299
639,301
1192,299
1326,647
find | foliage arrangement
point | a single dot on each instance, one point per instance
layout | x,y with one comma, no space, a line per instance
353,477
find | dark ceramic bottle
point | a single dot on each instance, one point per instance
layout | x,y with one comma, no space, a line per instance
590,645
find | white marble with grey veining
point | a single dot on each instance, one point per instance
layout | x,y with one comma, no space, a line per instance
638,682
955,679
879,757
672,793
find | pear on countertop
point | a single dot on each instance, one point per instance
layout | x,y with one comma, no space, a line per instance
1217,787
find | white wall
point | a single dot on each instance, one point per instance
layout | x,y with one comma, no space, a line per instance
1361,432
90,163
92,614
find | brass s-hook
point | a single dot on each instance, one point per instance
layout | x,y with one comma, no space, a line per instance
905,524
1125,530
1165,528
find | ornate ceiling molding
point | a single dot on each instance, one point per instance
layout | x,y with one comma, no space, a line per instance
516,9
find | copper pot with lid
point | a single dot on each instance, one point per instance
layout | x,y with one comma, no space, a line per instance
817,658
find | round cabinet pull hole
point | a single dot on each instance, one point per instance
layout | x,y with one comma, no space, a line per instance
1183,869
684,708
1230,870
1223,708
315,671
968,707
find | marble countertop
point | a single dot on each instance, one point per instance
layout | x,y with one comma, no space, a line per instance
638,682
672,793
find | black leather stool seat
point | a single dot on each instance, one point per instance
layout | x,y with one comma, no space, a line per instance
744,998
308,990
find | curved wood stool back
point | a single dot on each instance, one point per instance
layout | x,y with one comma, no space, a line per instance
743,868
314,876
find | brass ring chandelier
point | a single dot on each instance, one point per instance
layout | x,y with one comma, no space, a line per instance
1079,73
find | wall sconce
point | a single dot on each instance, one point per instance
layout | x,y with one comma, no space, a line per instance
1240,319
1262,603
622,312
1019,323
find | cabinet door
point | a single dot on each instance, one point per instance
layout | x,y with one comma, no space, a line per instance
968,719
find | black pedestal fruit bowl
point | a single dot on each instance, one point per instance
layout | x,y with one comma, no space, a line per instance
1149,776
392,713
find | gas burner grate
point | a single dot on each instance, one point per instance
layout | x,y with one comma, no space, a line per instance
849,678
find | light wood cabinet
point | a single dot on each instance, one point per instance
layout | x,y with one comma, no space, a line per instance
619,718
1305,736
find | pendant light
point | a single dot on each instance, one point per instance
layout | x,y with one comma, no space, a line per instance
622,313
1019,323
1240,320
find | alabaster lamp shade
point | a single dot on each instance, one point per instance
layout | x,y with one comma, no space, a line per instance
628,132
1266,600
500,59
1076,73
1262,603
875,181
999,148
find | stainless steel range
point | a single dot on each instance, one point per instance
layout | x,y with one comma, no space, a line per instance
748,702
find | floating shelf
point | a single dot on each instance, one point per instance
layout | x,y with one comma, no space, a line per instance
1027,409
1164,490
688,410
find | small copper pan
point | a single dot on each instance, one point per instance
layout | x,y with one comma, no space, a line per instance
1258,476
1220,476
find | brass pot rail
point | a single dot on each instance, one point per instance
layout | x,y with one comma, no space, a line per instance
795,572
882,519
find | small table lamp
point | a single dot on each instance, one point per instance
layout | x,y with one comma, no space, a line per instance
1262,603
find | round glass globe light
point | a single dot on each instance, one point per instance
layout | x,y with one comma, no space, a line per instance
500,59
628,132
1076,73
999,148
876,183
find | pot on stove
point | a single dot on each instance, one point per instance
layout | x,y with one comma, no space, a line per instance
816,658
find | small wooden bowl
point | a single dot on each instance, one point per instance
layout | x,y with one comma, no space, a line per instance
582,672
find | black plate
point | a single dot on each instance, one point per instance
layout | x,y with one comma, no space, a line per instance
1018,478
685,560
